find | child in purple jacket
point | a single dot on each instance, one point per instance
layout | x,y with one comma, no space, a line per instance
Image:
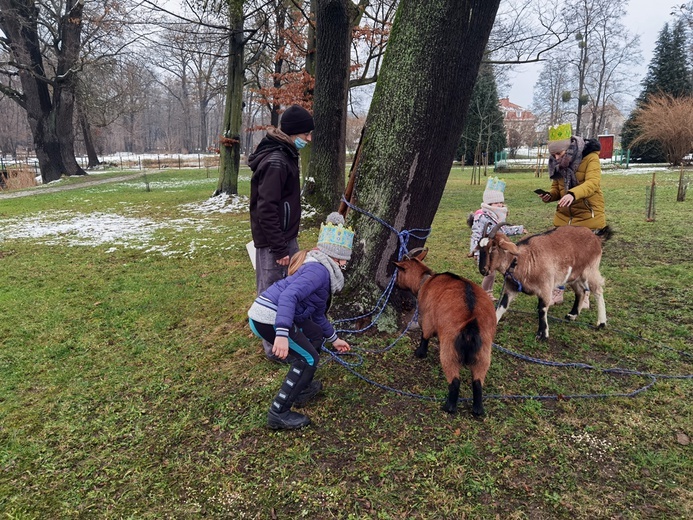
291,315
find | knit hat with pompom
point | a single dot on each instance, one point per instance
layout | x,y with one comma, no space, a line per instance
335,240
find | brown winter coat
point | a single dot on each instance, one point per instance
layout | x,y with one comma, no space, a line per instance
588,208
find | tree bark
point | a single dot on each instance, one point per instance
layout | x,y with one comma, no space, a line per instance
92,156
328,160
230,146
413,127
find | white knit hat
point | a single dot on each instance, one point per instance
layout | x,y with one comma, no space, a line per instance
494,191
335,240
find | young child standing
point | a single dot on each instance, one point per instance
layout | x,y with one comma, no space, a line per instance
291,315
493,211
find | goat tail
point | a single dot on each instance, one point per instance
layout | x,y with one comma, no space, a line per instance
468,342
604,233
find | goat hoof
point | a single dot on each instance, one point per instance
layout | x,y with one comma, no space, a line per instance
541,337
450,408
420,353
571,317
601,326
478,414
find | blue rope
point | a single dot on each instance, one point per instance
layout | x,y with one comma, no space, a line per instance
653,378
403,239
403,236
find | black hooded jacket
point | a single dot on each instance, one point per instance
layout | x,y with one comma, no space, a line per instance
275,194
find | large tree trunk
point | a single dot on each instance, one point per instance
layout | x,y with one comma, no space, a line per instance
92,156
414,126
275,107
330,103
50,117
202,111
230,146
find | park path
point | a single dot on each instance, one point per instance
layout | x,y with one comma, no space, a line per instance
53,189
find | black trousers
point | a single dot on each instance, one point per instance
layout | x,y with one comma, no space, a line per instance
305,339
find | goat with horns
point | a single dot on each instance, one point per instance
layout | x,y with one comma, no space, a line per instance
567,255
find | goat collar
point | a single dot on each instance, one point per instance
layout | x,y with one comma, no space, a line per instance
425,277
510,276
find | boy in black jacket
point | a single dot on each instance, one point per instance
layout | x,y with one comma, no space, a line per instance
275,197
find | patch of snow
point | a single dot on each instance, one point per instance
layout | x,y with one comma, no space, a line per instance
95,229
636,170
223,203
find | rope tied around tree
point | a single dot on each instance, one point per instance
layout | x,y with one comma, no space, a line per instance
403,237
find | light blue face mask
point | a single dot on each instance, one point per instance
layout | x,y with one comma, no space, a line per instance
300,143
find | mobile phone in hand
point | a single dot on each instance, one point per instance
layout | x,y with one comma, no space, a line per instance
539,191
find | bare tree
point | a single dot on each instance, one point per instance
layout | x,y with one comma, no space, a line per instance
525,31
613,48
192,53
549,100
14,129
47,70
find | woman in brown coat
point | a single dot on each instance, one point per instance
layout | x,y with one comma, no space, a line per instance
576,172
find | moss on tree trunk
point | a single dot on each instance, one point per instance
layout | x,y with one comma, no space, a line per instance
413,128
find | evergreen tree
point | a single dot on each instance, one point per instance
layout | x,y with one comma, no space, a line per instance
484,130
669,72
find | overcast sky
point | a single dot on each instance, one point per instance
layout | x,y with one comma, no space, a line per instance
644,17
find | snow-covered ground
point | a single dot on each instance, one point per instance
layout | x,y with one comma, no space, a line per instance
122,229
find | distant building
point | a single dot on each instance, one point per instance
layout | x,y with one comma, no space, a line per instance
520,124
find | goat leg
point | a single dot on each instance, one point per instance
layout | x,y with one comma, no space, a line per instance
422,351
506,298
580,296
477,398
543,330
450,405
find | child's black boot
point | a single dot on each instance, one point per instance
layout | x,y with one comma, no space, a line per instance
280,416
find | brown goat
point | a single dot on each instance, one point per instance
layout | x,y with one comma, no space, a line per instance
461,314
567,255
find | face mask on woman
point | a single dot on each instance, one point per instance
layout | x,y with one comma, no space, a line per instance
300,143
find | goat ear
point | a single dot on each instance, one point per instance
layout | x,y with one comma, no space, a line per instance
507,245
399,265
422,254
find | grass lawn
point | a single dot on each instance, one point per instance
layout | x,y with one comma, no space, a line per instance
132,387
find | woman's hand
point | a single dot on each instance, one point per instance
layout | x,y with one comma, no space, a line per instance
546,197
341,345
281,347
566,200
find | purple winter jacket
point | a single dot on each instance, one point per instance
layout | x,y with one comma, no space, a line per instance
299,297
